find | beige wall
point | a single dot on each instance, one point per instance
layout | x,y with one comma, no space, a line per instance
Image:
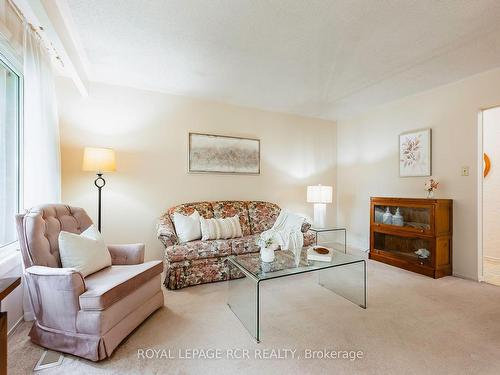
149,132
368,158
491,185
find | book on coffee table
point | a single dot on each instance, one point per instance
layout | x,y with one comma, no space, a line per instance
320,253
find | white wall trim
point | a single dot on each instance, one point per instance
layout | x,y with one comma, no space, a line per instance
480,273
460,276
16,324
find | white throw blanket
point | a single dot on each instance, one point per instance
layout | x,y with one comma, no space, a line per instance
286,231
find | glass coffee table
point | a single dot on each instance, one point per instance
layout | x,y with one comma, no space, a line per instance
345,275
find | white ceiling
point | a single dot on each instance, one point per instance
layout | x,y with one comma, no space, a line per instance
320,58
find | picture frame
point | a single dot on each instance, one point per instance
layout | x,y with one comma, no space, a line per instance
223,154
415,153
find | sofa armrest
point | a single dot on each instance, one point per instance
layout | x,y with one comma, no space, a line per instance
127,254
54,293
165,231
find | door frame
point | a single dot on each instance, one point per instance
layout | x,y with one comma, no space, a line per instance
480,181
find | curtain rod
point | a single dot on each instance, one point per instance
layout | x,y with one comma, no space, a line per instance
52,50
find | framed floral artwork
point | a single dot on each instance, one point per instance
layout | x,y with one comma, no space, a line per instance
415,153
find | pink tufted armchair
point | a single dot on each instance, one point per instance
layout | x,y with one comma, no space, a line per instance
90,316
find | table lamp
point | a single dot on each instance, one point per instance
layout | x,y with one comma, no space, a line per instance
99,160
319,195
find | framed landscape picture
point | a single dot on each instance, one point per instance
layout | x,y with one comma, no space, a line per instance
415,153
210,153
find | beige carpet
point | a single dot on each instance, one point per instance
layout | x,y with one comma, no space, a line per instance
413,325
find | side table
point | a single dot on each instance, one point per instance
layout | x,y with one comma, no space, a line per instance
7,285
318,231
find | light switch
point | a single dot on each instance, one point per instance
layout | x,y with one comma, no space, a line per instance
465,171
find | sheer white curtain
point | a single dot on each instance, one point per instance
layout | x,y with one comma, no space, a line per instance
42,172
41,164
4,212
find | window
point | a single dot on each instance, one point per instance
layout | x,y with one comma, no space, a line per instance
10,116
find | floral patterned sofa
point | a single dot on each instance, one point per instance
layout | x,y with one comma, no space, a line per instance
199,262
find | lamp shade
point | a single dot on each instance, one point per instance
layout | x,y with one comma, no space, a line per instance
98,159
319,194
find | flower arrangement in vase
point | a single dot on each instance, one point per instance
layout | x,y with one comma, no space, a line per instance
267,246
431,186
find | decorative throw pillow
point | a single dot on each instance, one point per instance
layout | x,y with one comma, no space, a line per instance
85,252
187,227
215,229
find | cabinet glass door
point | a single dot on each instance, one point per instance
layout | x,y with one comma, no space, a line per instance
411,249
412,218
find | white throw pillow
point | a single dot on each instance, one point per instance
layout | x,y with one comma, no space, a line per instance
86,252
187,227
215,229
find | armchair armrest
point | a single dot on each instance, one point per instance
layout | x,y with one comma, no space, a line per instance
165,231
54,293
305,227
127,254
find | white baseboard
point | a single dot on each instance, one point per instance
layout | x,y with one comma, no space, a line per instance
16,324
466,277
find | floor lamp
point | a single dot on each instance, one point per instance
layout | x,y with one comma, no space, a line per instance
99,160
320,195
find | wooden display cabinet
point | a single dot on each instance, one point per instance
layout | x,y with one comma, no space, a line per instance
428,224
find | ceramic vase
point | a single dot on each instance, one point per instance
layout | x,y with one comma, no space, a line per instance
379,215
267,254
397,218
387,218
